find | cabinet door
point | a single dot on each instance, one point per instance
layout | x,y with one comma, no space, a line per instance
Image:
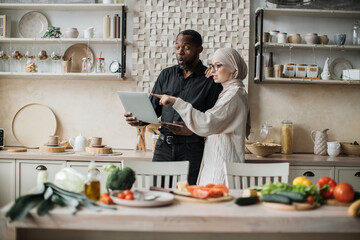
350,175
82,167
313,173
7,179
26,173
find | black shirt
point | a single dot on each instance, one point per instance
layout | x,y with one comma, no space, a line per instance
196,89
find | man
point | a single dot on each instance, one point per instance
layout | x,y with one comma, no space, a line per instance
188,81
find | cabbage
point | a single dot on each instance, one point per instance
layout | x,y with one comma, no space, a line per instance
70,180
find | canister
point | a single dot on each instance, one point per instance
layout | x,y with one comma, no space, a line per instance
312,71
301,70
286,137
273,35
289,70
281,37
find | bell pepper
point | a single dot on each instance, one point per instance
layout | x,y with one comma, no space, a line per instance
327,186
302,181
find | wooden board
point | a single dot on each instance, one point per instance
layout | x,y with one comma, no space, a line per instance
46,149
198,200
293,207
334,202
93,150
17,150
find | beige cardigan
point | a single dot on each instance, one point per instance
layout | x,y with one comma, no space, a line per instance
224,125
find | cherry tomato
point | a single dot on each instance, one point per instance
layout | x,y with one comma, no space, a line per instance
129,197
121,195
344,192
127,191
310,199
105,195
106,199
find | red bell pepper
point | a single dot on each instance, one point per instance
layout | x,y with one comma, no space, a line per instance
325,191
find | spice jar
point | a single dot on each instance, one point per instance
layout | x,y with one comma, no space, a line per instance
30,65
286,137
100,65
92,183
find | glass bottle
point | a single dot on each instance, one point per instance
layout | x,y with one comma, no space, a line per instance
356,36
286,137
92,183
270,63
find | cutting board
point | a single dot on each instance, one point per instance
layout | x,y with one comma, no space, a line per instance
186,198
17,150
93,150
286,207
334,202
46,149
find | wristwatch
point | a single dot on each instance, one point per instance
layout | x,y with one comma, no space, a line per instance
115,66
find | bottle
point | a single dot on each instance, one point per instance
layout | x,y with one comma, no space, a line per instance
92,183
42,176
116,24
356,36
106,27
286,137
270,63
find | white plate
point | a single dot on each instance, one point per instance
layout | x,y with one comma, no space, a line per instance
337,66
163,199
33,124
33,25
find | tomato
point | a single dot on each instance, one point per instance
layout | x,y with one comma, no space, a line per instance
201,193
127,191
210,185
121,195
191,188
223,187
215,192
302,181
328,192
129,197
310,199
344,192
105,195
105,198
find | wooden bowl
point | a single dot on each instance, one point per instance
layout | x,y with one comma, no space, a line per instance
263,151
350,149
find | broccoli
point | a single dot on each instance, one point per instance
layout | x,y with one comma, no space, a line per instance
119,179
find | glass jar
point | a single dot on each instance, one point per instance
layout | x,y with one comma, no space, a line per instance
30,65
100,65
86,65
92,183
286,137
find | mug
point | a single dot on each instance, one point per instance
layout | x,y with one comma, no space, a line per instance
53,140
95,141
88,33
340,38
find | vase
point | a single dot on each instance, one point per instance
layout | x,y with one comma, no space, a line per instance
71,33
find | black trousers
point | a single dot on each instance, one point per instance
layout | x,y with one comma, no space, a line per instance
191,152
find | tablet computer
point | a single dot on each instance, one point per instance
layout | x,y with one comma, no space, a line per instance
138,103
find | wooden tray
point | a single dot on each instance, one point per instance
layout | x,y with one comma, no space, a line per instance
94,150
17,150
46,149
293,207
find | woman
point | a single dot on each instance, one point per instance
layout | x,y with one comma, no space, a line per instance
224,125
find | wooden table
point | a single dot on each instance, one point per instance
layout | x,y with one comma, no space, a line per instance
183,220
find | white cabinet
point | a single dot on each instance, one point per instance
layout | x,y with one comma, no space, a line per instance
348,174
7,180
313,173
26,173
82,167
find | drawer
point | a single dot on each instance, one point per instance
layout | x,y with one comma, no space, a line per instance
349,175
313,173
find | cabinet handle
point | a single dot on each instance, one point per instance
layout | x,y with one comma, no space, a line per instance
357,174
309,174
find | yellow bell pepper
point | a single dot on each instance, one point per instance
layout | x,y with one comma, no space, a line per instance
302,181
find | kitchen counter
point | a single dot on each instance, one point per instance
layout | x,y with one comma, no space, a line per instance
183,220
293,159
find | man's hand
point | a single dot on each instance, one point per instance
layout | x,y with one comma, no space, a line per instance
165,100
182,131
131,120
208,72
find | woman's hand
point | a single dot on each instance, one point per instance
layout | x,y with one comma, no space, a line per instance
165,100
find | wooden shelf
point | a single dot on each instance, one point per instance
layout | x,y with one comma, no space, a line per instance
310,81
76,76
310,46
310,13
62,40
68,6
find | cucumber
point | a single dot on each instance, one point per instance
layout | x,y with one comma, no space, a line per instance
294,196
243,201
276,198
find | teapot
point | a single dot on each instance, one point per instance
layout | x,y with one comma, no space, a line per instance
78,143
320,141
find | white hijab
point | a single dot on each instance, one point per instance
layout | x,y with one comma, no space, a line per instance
232,60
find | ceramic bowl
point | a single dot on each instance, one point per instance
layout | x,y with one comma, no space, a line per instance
350,149
311,38
294,38
263,151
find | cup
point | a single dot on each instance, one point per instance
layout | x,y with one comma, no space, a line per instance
53,140
278,70
95,141
266,37
269,72
333,145
66,66
340,39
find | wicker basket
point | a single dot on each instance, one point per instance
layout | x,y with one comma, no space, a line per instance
350,149
263,151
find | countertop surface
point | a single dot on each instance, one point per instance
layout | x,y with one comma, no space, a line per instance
126,154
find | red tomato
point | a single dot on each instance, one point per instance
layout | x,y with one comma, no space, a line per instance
310,199
223,187
201,193
210,185
326,193
191,188
344,192
129,197
121,195
127,192
106,199
215,192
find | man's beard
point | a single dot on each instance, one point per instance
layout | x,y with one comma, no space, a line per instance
187,65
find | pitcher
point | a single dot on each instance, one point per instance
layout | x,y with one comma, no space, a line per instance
78,143
320,140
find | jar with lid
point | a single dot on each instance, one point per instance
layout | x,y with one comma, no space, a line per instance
100,65
86,65
31,65
286,136
92,183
